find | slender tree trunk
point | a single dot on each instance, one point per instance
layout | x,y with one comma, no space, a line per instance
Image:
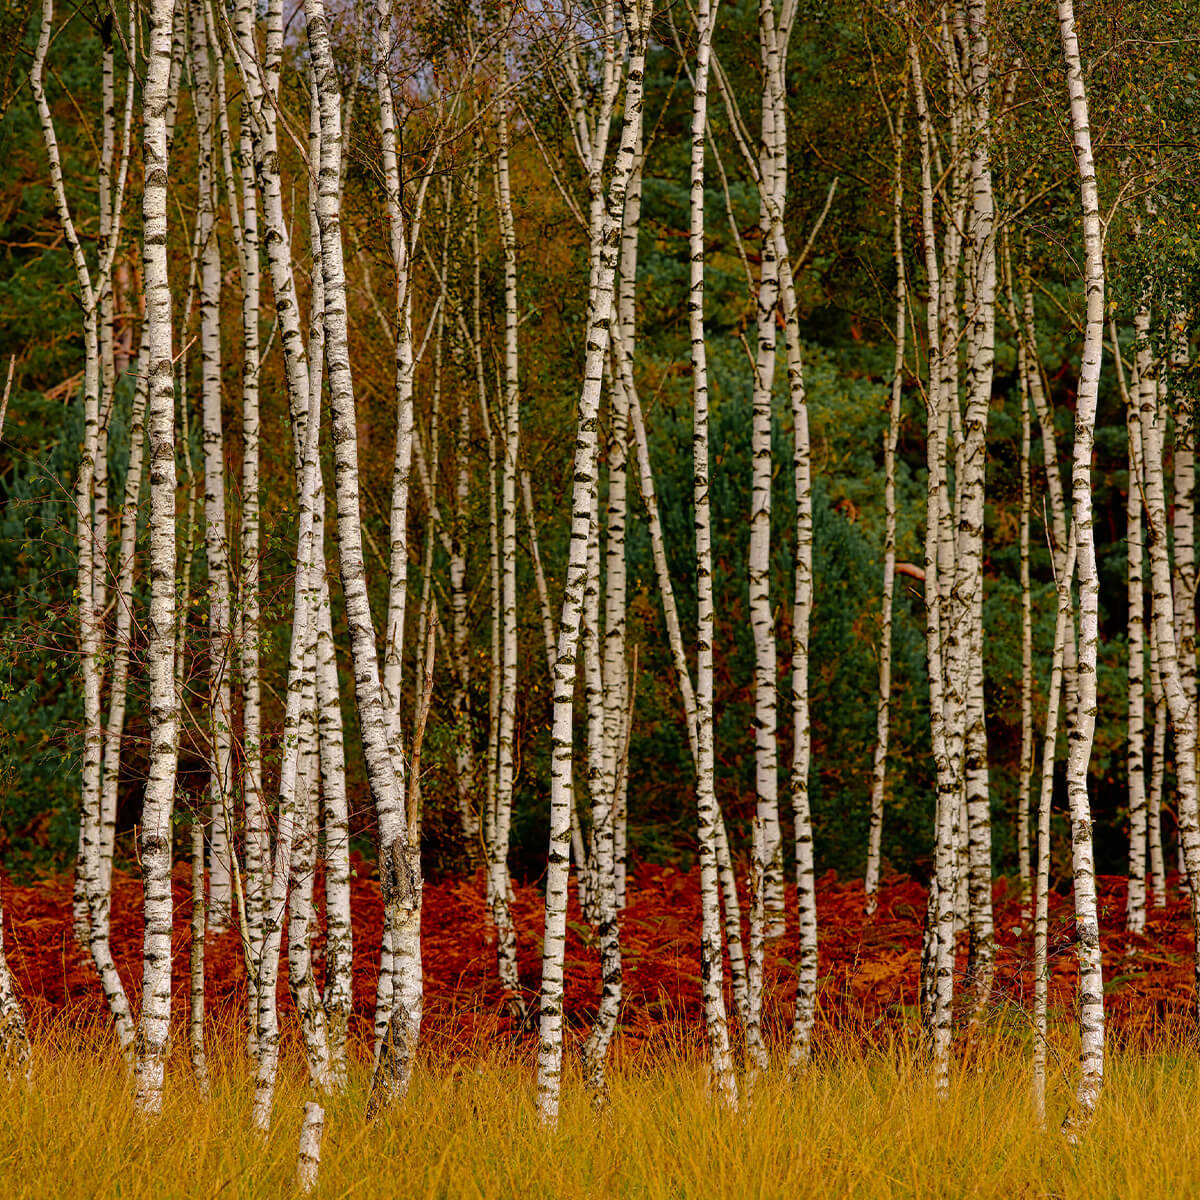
1158,872
113,362
712,970
1025,778
769,864
883,710
981,252
941,916
606,239
1164,651
495,831
306,996
725,867
399,862
90,923
1087,926
1041,964
308,1161
257,839
220,715
15,1051
291,814
199,919
160,653
1135,903
507,699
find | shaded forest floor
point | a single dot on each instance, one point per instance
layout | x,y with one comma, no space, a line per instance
868,966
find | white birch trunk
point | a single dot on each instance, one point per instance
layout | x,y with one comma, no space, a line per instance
883,710
970,480
712,971
308,1160
399,862
15,1051
196,956
1091,991
495,832
1135,902
290,821
1158,700
1164,651
219,715
605,245
683,677
940,919
1025,778
159,798
769,843
1041,965
257,841
507,698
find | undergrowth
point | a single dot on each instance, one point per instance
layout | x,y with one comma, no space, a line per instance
859,1123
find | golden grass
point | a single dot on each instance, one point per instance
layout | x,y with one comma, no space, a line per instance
859,1124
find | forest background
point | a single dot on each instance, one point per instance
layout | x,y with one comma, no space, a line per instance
845,64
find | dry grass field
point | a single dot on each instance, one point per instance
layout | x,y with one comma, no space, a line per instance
860,1124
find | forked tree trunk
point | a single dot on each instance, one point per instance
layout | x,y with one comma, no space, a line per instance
605,243
399,861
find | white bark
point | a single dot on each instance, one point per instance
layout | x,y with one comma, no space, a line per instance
605,242
308,1162
15,1051
507,698
216,542
1135,901
196,956
91,902
772,187
970,479
1041,965
399,862
941,916
495,832
883,711
1165,666
1091,991
712,972
256,841
1158,699
288,820
160,786
1025,776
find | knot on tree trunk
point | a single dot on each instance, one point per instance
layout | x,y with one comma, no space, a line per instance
400,875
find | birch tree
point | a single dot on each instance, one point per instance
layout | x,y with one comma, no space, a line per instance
92,560
712,971
15,1050
604,247
399,862
941,914
883,710
159,798
220,713
1135,905
1091,991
